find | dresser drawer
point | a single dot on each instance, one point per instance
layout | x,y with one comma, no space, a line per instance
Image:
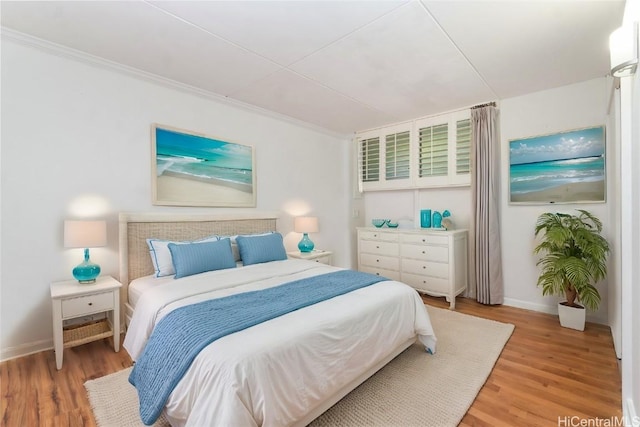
432,269
427,284
426,252
380,261
379,248
74,307
425,239
379,235
389,274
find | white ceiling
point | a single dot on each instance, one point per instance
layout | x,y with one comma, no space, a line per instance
341,65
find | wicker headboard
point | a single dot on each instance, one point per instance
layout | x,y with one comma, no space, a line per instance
135,228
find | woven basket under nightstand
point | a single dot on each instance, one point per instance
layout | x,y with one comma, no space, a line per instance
82,334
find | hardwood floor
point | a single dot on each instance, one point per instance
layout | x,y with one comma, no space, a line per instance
545,375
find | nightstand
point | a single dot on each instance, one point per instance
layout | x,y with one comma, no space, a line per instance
323,257
71,300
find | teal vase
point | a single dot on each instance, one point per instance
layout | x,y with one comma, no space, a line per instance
437,220
425,218
86,271
305,245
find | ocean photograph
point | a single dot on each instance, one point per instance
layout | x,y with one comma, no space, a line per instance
566,167
195,170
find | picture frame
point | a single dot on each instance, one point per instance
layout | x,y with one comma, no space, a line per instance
194,169
563,167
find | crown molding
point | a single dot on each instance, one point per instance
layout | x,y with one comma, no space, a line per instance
87,58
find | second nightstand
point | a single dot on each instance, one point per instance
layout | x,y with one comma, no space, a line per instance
71,300
320,256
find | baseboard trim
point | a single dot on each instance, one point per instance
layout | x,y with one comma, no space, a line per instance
25,349
530,306
543,308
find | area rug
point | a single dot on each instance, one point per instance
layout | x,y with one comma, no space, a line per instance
414,389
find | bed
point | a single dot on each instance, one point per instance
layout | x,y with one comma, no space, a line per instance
285,371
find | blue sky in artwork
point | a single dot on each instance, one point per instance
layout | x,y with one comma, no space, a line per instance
568,145
220,153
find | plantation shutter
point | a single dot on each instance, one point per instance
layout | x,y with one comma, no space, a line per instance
463,146
433,147
370,159
397,150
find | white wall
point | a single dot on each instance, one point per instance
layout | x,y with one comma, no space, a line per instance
614,294
570,107
76,143
399,205
629,120
630,268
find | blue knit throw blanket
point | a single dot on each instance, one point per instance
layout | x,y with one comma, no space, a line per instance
179,336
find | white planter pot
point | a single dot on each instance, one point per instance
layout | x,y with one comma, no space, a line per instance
572,317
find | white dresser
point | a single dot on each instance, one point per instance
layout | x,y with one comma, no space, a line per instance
431,261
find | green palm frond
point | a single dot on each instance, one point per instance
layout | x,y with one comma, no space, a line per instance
573,253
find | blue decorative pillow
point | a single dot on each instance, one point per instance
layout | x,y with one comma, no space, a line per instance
161,257
234,244
257,249
194,258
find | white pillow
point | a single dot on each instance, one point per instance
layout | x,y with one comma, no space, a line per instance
161,256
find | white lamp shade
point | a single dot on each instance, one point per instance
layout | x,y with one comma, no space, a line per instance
306,224
85,234
623,49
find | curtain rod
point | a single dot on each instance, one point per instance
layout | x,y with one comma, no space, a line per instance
488,104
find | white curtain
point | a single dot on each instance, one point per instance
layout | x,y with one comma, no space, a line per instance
485,257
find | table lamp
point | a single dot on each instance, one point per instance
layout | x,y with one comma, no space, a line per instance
85,234
305,225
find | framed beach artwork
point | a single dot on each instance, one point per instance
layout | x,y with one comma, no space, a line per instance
191,169
565,167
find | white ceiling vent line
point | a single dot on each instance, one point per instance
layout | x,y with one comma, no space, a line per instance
231,94
315,82
473,67
339,39
219,37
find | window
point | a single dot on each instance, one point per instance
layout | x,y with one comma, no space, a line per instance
443,154
429,152
398,153
463,146
433,159
370,160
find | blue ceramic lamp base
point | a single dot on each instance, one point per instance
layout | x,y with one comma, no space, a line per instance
86,272
305,245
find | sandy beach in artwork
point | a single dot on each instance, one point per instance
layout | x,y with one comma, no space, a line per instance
188,192
574,192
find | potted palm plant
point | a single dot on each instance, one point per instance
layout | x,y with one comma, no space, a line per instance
574,255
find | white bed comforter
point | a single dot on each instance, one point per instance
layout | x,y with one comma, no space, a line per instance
275,373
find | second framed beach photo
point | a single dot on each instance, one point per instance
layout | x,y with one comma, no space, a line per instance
192,169
565,167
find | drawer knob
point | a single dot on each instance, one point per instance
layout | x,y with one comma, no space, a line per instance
423,240
377,274
424,267
90,303
377,260
377,247
423,252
